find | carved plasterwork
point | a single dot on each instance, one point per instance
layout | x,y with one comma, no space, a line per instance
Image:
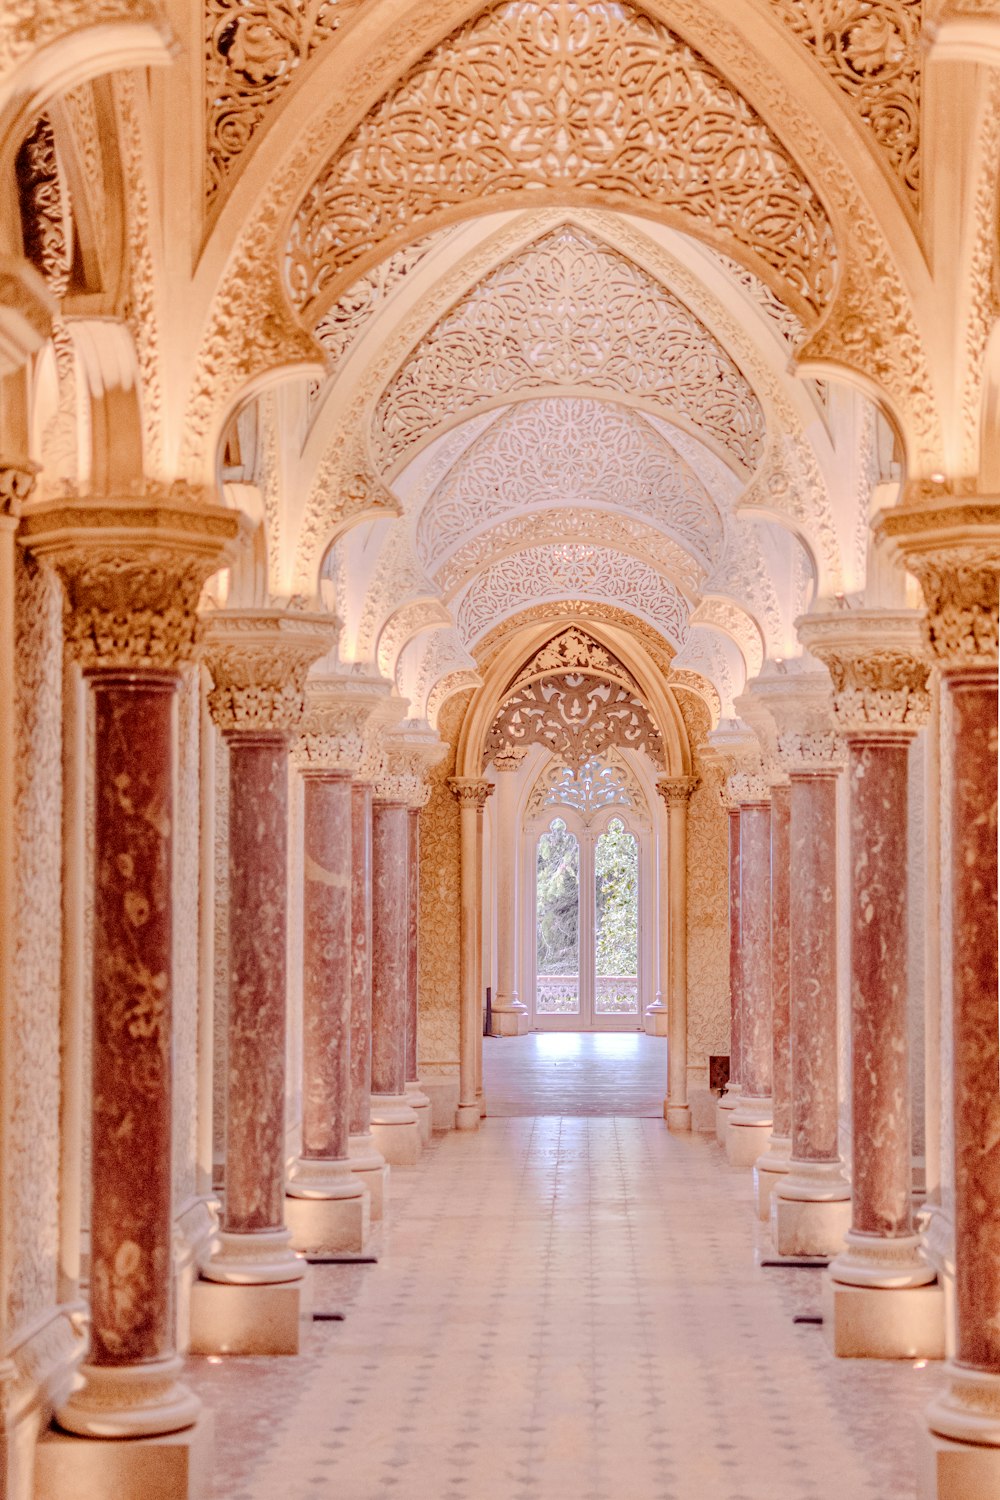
801,707
444,660
567,451
743,573
141,310
603,781
750,783
26,26
954,551
470,791
332,730
252,50
601,529
259,661
568,311
660,651
17,481
786,323
354,309
402,626
406,761
879,672
723,614
704,654
574,650
676,791
43,195
871,51
447,687
565,94
576,716
572,571
398,579
698,693
132,574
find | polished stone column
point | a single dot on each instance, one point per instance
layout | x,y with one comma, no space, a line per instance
810,1207
418,1099
258,661
880,1300
774,1162
471,794
510,1016
132,571
750,1122
366,1160
676,792
953,547
730,1098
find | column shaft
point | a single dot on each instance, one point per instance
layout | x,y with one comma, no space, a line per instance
752,1115
389,928
781,1054
730,1098
470,817
361,958
326,989
412,939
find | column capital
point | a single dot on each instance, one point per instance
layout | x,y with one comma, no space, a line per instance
408,756
509,763
470,790
259,660
800,705
953,549
676,791
878,666
133,568
17,481
333,730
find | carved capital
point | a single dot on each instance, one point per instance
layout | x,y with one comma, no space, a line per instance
470,791
748,784
509,763
406,761
133,570
953,549
17,480
334,729
676,791
259,660
878,668
800,705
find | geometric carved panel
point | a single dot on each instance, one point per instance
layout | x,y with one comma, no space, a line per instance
576,716
564,94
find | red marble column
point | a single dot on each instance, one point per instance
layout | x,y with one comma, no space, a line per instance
750,1122
414,1093
730,1098
361,959
810,1207
774,1162
131,1217
394,1122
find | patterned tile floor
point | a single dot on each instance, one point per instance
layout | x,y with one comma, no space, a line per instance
566,1309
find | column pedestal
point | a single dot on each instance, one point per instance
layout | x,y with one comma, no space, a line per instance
327,1208
421,1106
875,1322
947,1470
396,1130
768,1171
370,1165
810,1209
266,1318
171,1466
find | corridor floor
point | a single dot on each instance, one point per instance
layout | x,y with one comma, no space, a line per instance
566,1309
575,1073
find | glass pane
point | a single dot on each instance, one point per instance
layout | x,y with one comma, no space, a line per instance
557,923
616,872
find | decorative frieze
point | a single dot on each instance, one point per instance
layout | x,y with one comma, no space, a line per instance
877,666
133,571
259,660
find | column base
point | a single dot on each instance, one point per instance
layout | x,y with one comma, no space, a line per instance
467,1117
395,1131
327,1208
811,1210
171,1466
869,1260
968,1410
947,1470
253,1259
655,1020
677,1116
867,1322
723,1114
749,1131
369,1165
767,1173
131,1401
510,1022
421,1106
250,1319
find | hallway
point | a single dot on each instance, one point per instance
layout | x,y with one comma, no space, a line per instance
566,1309
575,1073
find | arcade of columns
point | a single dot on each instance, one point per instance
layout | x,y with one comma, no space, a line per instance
282,532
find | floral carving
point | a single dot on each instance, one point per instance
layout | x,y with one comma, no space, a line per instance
258,662
578,572
574,650
676,791
871,50
132,574
879,673
603,781
568,311
347,319
332,730
46,220
576,716
567,453
252,49
470,789
561,93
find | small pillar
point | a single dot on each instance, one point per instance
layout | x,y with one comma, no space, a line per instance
511,1017
472,794
676,792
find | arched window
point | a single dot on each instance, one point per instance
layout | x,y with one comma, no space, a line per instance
557,922
616,922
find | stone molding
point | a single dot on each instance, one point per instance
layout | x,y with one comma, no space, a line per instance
17,481
470,790
259,660
133,569
676,791
334,728
878,667
27,308
953,549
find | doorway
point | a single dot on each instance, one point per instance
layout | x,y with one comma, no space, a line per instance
587,920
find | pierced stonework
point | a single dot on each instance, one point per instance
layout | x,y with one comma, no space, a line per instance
46,218
558,93
347,319
601,782
576,716
574,651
